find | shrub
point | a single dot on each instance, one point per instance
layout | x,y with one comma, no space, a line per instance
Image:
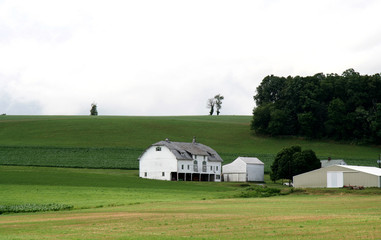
259,191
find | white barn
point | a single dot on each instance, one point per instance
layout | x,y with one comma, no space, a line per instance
180,161
244,169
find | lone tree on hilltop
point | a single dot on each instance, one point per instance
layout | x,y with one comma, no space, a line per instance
210,105
293,161
215,102
218,100
93,110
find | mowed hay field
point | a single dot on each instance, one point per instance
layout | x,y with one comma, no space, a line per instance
293,217
110,201
116,204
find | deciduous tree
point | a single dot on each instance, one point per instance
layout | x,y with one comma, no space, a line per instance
293,161
210,105
218,100
93,110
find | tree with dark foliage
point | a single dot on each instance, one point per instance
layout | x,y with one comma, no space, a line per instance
210,105
93,110
293,161
340,107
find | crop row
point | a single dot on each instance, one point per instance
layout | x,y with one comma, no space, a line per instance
29,207
120,158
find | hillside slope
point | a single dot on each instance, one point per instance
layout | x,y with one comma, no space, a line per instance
117,141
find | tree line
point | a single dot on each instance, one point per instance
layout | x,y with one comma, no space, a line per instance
340,107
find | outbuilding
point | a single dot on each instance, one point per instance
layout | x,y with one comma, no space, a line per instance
244,169
337,176
180,161
330,162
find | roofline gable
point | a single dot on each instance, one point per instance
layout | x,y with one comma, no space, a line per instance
185,150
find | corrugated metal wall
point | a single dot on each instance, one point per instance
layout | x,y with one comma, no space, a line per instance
360,179
318,178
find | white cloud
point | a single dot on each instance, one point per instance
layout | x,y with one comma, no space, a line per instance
168,57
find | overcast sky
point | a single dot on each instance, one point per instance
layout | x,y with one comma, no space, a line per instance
165,57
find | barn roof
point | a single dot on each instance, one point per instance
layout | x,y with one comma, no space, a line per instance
185,150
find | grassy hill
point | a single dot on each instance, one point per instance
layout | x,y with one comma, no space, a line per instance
117,141
117,204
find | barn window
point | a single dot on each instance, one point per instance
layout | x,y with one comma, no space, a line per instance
145,174
158,149
204,166
211,168
216,168
182,166
218,177
188,167
163,174
195,166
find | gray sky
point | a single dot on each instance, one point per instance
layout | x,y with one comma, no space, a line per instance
168,57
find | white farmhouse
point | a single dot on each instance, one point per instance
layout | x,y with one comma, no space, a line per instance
180,161
244,169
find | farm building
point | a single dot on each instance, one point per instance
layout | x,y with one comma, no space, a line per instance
244,169
330,162
174,161
337,176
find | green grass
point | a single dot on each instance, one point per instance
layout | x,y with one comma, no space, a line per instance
89,188
121,158
117,204
117,142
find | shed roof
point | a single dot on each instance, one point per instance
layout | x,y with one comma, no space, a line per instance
326,163
370,170
251,160
185,150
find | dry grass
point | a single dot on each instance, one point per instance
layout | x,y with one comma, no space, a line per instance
290,217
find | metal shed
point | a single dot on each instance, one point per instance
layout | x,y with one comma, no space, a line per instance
337,176
244,169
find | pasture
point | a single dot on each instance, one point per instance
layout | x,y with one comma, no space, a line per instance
107,200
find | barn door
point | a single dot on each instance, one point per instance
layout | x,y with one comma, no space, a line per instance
335,179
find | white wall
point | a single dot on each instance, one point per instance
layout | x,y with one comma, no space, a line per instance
237,166
235,177
154,163
255,172
239,171
211,167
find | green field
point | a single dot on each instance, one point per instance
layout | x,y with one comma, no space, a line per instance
117,204
108,200
117,142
